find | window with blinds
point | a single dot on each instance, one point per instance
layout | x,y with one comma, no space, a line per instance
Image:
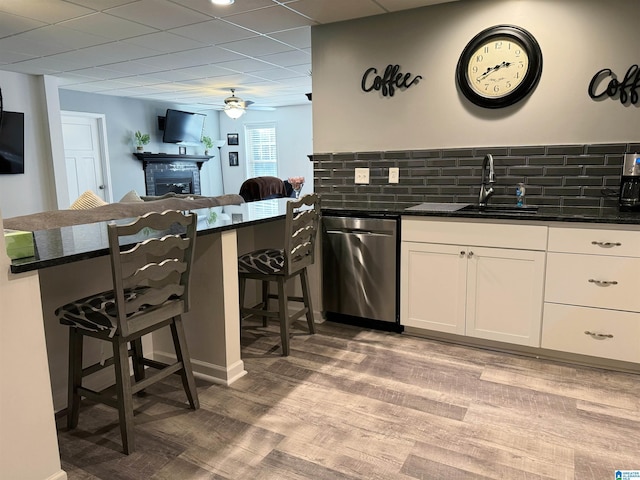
262,157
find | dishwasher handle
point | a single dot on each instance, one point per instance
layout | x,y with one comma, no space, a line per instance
352,231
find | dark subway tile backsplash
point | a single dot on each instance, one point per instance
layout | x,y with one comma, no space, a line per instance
579,177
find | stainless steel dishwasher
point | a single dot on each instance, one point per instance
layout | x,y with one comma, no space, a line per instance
359,268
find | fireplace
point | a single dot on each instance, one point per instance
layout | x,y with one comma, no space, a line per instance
166,173
176,184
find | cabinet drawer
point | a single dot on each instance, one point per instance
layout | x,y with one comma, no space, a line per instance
499,235
564,327
593,281
595,241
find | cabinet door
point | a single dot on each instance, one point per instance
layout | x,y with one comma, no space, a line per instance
505,295
433,286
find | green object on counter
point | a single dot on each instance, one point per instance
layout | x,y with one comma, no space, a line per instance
19,244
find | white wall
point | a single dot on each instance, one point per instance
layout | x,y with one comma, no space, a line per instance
294,138
28,442
33,191
577,38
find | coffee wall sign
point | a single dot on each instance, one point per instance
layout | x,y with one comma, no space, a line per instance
627,90
387,83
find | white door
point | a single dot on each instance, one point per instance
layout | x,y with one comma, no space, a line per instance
84,138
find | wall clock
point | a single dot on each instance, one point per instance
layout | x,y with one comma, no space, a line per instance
499,66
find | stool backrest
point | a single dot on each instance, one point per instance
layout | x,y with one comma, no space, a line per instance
301,230
151,278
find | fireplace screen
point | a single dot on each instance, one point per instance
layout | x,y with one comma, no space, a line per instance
172,184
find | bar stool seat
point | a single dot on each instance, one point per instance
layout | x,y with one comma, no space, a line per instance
150,291
280,265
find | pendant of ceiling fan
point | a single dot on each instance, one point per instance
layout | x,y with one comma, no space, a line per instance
234,106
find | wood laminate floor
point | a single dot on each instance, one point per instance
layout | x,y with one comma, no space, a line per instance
352,403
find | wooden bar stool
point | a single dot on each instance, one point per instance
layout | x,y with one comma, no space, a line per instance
150,291
281,264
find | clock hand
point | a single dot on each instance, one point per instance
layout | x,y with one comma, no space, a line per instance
490,70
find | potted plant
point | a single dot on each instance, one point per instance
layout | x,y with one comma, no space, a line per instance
208,143
141,139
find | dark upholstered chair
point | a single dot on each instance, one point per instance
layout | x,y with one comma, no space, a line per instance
150,291
262,188
281,264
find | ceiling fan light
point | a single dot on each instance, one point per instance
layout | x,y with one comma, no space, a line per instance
222,2
234,111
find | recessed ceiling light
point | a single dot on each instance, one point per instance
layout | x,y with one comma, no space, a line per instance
222,2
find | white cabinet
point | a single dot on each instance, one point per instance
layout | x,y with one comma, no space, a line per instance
473,279
592,306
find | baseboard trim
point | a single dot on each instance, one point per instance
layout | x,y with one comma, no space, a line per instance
59,475
208,371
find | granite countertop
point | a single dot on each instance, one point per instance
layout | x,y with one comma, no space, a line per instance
610,215
63,245
69,244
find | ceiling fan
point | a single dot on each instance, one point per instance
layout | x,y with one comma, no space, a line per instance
235,107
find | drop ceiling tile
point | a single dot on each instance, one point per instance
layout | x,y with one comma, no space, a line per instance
128,68
223,11
28,69
247,65
271,19
296,37
110,53
93,74
327,11
13,24
214,32
276,74
108,26
394,5
192,58
100,5
24,43
170,76
13,57
287,59
67,38
208,71
59,63
159,14
256,47
164,42
48,11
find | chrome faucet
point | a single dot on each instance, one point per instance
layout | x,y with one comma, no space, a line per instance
486,187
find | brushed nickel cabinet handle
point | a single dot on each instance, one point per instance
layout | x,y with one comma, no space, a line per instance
603,283
606,244
599,336
470,254
462,253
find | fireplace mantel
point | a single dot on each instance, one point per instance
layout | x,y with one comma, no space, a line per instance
164,167
147,157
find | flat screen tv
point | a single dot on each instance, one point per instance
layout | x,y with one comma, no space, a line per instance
11,142
183,127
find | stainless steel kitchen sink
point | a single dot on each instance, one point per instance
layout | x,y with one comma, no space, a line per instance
496,209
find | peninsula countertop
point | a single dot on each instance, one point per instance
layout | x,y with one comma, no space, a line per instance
58,246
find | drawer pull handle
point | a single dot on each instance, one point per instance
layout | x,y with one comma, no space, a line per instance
606,244
603,283
599,336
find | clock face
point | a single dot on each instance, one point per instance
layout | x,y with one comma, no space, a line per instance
499,66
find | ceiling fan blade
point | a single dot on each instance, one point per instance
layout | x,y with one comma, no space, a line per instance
248,102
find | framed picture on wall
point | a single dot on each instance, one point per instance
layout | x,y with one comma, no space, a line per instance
232,139
233,159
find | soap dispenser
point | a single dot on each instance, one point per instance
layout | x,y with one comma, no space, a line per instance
520,191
